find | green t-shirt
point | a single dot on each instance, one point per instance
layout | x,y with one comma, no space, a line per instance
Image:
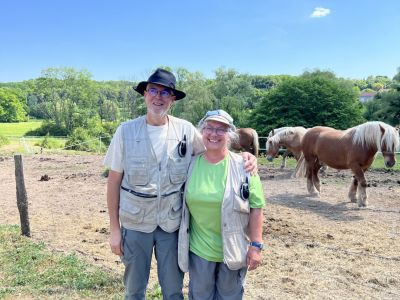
205,192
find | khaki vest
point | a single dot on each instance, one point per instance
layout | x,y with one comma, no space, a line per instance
235,214
164,180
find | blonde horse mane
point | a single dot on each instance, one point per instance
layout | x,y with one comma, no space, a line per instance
369,134
275,139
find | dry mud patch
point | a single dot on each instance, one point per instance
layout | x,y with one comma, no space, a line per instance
316,248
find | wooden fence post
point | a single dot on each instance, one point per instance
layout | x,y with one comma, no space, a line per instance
22,202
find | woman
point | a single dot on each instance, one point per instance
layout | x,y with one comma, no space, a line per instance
220,236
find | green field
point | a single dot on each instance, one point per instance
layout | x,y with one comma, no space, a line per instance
19,129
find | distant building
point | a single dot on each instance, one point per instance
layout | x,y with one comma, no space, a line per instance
366,96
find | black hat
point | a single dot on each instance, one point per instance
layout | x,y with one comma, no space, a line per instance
164,78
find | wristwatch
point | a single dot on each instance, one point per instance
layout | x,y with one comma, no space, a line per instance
258,245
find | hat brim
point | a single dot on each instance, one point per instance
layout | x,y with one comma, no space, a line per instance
141,87
218,119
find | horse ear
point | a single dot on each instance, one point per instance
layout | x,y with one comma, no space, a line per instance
382,129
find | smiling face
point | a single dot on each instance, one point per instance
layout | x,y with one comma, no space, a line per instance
215,136
158,100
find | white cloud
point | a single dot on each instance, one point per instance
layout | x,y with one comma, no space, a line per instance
320,12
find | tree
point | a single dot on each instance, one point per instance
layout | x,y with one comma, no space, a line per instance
317,98
199,98
384,107
233,93
12,107
68,97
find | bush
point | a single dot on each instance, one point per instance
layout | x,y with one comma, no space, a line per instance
81,140
50,143
4,141
50,128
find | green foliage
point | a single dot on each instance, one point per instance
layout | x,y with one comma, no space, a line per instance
12,107
312,99
66,96
81,140
384,107
198,100
48,127
233,93
69,99
4,140
28,268
50,143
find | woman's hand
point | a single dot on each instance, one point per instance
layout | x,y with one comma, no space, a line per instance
254,258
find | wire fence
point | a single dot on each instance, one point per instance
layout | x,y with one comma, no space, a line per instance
29,149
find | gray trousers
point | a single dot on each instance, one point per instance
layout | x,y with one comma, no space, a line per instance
138,250
214,281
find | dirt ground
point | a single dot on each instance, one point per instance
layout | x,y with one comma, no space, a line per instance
316,248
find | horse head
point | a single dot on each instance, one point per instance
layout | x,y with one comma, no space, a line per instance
272,147
389,144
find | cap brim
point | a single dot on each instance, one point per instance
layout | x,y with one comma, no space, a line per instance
218,119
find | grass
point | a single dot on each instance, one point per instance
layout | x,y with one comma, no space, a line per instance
30,145
19,129
30,271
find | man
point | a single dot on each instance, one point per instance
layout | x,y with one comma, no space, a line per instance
148,160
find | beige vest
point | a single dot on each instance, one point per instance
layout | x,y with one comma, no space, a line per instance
164,180
235,214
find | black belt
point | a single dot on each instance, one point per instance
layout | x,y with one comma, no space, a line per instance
146,195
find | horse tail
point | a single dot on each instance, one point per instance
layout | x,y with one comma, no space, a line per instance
300,170
256,145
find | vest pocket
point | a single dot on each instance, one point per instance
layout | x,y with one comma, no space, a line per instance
138,176
175,210
129,213
235,250
178,175
240,205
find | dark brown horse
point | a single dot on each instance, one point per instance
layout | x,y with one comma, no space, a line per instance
354,149
248,141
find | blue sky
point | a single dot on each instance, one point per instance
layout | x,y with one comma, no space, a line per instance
126,40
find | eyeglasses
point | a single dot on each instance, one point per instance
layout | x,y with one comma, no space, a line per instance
220,112
163,94
219,131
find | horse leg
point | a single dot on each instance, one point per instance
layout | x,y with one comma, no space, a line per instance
283,165
353,190
315,178
310,182
362,187
323,170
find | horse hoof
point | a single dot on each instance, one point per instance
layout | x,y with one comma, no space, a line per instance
353,200
315,195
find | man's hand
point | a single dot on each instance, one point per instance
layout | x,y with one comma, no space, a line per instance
250,163
116,242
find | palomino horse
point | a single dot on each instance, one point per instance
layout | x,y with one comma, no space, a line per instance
248,141
354,149
286,153
290,138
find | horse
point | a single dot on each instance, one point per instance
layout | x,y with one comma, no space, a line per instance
286,153
290,138
248,141
354,149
